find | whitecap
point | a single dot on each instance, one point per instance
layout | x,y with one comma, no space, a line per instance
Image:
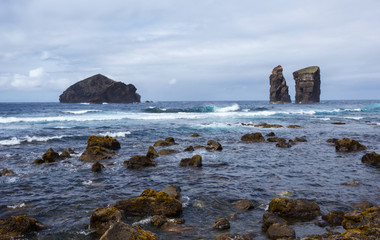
115,134
78,112
232,108
9,142
246,110
17,141
354,118
18,205
185,201
141,222
87,182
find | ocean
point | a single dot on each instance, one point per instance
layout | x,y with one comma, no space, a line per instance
63,195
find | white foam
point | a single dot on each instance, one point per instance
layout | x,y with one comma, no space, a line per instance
18,205
232,108
62,127
87,182
354,118
16,141
185,201
141,222
77,112
115,134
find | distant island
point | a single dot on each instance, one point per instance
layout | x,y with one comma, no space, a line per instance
100,89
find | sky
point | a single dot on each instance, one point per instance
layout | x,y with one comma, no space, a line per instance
198,50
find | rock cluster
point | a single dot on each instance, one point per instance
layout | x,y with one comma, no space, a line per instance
308,84
100,89
99,148
279,92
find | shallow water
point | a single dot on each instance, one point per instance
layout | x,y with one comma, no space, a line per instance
63,195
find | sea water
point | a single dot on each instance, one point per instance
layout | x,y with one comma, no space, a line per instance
63,195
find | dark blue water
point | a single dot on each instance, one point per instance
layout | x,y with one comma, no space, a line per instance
63,195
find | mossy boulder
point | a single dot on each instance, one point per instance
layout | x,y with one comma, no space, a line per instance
66,153
169,141
348,145
253,137
18,227
195,161
121,230
284,145
152,153
96,153
371,158
334,218
151,203
298,210
280,231
276,139
139,161
269,219
243,204
362,225
297,139
105,142
6,172
97,167
213,145
50,156
167,151
103,218
189,149
221,223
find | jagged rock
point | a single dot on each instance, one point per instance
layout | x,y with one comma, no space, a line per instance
123,231
362,225
167,151
99,89
372,158
16,227
50,156
276,139
308,83
214,146
221,223
279,92
6,172
243,204
280,231
106,142
139,161
253,137
103,218
195,161
173,191
151,203
189,149
334,218
152,153
348,145
301,210
97,167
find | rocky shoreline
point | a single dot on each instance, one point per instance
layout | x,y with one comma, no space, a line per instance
164,208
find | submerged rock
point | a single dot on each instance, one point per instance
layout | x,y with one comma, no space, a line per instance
371,158
152,153
300,210
308,83
271,134
195,135
17,227
280,231
235,236
279,92
6,172
348,145
362,205
165,143
139,161
123,231
103,218
276,139
253,137
50,156
167,151
66,153
214,146
195,161
243,204
151,203
100,89
334,218
331,140
269,219
173,191
297,139
294,126
221,223
97,167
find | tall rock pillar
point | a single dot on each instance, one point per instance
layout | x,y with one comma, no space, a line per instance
308,85
278,89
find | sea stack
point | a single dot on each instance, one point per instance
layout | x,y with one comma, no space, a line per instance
278,88
100,89
308,83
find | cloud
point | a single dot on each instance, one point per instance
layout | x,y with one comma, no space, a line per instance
36,73
172,81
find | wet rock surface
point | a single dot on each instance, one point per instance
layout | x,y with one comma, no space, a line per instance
16,227
300,210
195,161
123,231
103,218
371,158
348,145
139,161
253,137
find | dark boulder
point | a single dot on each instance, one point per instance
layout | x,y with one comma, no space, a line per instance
38,161
235,236
158,220
99,89
97,167
271,134
294,126
331,140
362,225
103,218
371,158
173,191
66,153
334,218
195,135
298,210
308,83
269,219
253,137
17,227
297,139
50,156
139,161
280,231
244,204
96,153
167,151
151,203
152,153
189,149
348,145
6,172
266,125
214,146
221,223
123,231
279,92
169,141
284,145
195,161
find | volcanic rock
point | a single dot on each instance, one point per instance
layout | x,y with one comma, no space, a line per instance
151,203
167,151
359,224
348,145
195,161
121,230
152,153
6,172
50,156
278,89
99,148
334,218
221,223
16,227
213,145
100,89
253,137
372,158
139,161
301,210
103,218
244,204
97,167
308,83
169,141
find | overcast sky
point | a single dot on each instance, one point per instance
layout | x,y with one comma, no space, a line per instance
188,50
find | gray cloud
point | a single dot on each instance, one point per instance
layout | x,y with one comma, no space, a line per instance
215,50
